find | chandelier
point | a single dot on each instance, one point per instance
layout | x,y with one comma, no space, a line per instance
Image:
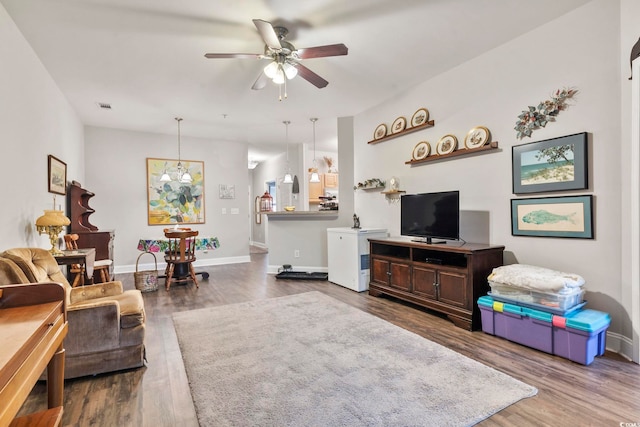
182,173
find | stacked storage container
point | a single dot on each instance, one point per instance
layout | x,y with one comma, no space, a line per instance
531,306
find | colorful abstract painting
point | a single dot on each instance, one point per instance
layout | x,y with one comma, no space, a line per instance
175,202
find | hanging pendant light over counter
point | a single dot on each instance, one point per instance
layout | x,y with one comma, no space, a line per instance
288,178
315,177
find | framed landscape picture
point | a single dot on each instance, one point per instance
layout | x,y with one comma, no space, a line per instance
551,165
569,216
57,175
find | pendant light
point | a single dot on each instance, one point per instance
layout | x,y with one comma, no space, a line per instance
288,179
183,173
165,175
314,174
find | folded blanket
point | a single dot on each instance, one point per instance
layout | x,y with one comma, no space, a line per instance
535,278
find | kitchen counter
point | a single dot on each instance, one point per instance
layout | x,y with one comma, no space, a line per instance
302,215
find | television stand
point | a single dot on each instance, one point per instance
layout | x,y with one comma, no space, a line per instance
447,279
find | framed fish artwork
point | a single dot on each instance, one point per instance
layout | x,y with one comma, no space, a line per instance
556,164
569,216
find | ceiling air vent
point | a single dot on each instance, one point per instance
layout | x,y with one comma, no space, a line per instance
104,105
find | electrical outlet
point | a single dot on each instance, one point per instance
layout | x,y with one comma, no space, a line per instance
296,253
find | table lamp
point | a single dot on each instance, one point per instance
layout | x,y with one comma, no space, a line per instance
52,223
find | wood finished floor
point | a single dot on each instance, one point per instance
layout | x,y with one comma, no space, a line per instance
605,393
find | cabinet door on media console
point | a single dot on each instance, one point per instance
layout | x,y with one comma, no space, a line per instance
425,282
391,273
440,284
452,288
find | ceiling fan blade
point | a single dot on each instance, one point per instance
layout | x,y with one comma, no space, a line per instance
233,55
323,51
267,33
310,76
260,82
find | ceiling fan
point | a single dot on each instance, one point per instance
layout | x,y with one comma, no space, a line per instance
285,58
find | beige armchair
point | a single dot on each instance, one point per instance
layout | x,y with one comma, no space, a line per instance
106,324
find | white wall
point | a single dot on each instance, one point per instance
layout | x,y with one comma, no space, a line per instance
116,173
492,90
36,120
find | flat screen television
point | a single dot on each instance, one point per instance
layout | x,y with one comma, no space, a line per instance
430,216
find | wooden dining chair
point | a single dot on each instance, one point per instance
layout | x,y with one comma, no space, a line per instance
180,256
101,266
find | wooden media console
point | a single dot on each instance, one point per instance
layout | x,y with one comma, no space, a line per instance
447,278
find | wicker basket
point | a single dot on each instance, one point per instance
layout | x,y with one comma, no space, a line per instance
146,281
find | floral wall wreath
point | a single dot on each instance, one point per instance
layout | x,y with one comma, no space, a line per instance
537,117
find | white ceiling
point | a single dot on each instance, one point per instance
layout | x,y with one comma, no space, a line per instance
146,58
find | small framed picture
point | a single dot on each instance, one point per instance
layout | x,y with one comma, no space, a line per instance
569,216
227,191
551,165
57,175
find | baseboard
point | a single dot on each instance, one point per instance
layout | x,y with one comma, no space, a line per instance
121,269
620,344
259,245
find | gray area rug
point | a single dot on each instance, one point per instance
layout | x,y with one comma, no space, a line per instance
311,360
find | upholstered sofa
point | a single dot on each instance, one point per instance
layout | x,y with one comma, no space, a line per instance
106,323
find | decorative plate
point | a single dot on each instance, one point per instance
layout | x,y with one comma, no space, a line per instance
420,117
477,137
380,132
398,125
421,150
447,144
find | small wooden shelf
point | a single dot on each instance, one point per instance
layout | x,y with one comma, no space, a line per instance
379,187
460,152
392,192
426,125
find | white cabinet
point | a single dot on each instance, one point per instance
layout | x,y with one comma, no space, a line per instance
348,255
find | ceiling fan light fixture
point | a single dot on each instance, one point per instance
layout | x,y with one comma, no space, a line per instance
279,76
271,69
289,70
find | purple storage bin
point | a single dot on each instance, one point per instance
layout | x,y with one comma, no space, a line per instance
581,336
485,304
521,325
525,330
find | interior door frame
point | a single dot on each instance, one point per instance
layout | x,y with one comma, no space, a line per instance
635,210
